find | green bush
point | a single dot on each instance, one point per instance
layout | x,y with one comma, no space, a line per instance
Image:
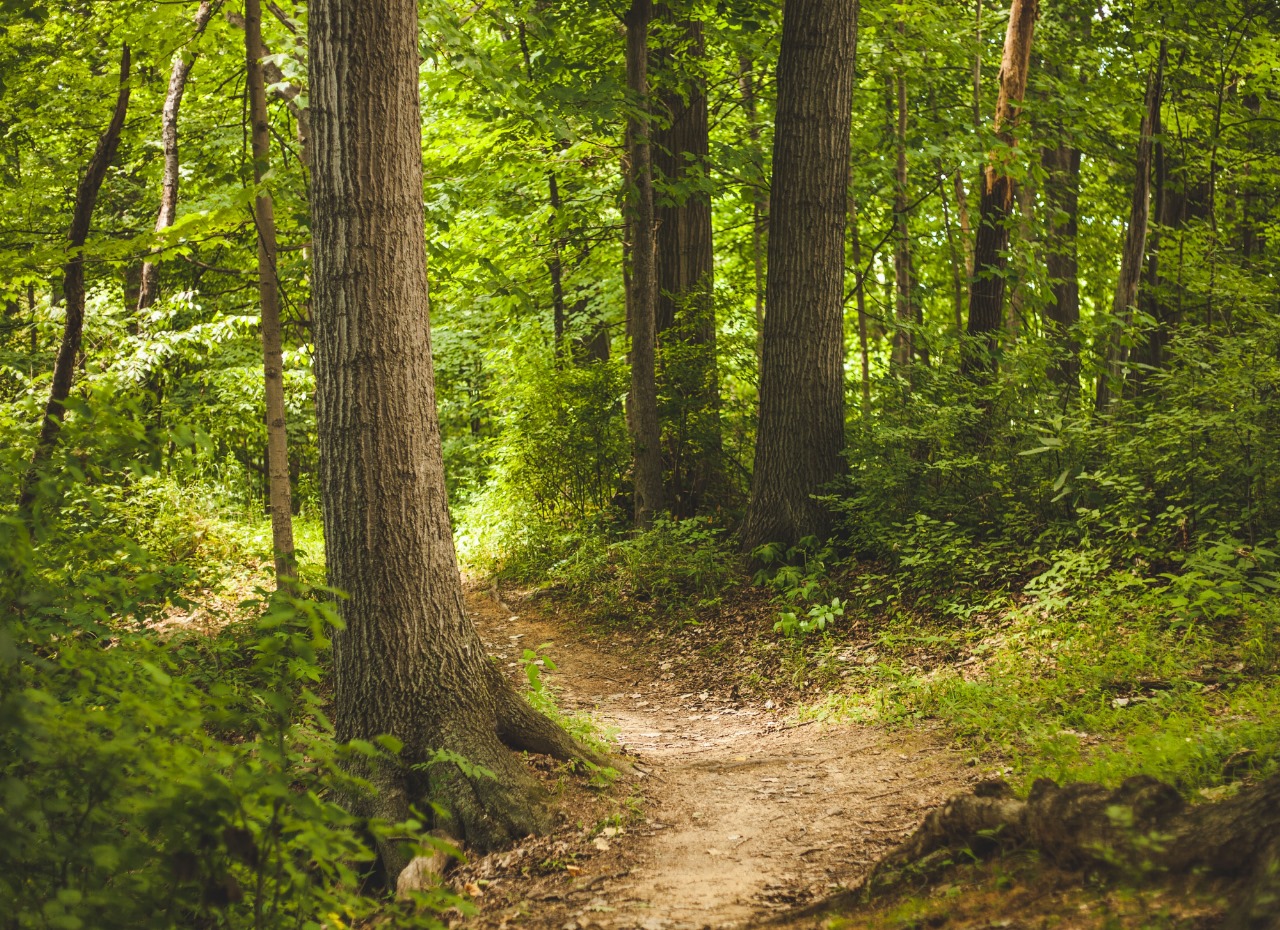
661,572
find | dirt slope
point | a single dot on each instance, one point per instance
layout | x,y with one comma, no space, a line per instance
741,815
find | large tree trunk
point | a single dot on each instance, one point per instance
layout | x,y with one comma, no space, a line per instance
182,61
408,663
73,286
278,493
1062,312
986,290
646,437
1135,240
685,318
801,432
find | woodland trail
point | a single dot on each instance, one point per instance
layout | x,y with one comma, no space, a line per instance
742,815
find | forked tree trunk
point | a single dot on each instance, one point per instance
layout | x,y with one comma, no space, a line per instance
986,289
73,286
685,265
149,286
1062,312
646,436
278,493
1135,240
801,431
409,662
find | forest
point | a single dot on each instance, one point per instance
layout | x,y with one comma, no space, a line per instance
639,465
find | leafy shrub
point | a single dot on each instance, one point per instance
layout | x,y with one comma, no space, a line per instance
189,783
798,577
663,571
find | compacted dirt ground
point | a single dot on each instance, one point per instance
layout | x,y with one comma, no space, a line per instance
733,815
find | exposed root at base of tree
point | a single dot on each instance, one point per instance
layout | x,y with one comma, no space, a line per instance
486,800
1141,830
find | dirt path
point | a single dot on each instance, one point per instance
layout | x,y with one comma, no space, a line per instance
743,816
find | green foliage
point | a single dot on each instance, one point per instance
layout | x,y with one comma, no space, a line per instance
1099,676
152,776
161,784
798,577
664,572
582,727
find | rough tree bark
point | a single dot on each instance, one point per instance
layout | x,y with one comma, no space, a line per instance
685,314
264,219
642,420
409,662
986,289
801,431
149,284
1135,240
73,286
1062,312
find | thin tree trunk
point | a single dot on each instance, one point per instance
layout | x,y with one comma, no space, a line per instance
966,229
408,661
860,296
1016,321
685,266
986,290
555,267
555,264
646,436
962,198
288,92
904,313
269,297
1062,312
182,62
1135,242
801,432
957,261
759,203
977,65
73,286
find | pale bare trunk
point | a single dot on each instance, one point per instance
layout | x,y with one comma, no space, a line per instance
278,493
182,61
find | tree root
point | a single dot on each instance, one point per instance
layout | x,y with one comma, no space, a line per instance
1141,829
487,800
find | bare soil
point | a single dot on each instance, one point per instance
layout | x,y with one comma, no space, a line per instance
734,814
